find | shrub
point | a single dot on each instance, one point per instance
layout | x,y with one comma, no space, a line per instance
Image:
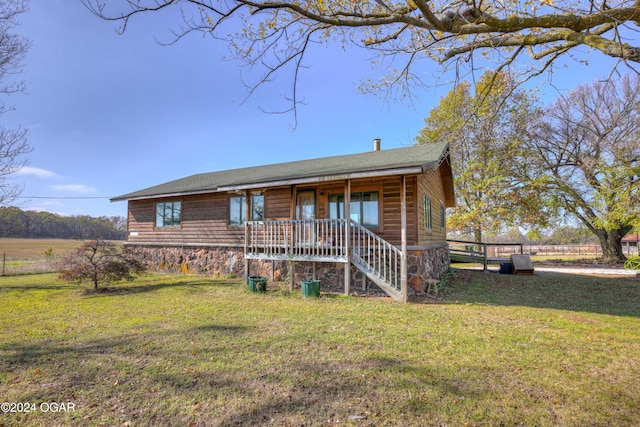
632,263
99,262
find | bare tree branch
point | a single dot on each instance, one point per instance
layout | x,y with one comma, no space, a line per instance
13,142
448,32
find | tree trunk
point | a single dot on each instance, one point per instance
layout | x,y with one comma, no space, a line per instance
477,237
611,244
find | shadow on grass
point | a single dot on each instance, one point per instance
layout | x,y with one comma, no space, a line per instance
605,295
224,374
28,288
17,353
136,288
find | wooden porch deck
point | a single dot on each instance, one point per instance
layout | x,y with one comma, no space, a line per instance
329,240
466,252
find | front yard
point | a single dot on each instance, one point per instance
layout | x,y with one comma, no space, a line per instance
546,350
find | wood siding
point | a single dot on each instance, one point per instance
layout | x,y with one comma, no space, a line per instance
204,218
430,185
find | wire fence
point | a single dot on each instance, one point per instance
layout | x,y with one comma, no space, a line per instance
13,266
577,250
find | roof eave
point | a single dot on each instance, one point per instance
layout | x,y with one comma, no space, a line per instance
411,170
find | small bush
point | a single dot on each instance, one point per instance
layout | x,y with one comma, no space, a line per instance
632,263
99,262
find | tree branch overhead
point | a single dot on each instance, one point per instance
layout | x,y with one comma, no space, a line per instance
404,30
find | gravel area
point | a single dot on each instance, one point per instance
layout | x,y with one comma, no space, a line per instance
589,271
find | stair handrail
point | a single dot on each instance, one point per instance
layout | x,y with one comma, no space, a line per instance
376,255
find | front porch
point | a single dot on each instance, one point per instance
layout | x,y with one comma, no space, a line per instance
329,240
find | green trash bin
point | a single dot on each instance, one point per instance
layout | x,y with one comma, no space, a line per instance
310,288
257,284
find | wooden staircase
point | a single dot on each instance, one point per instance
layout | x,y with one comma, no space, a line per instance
328,240
378,259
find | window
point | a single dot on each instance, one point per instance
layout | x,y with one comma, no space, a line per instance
427,213
257,207
443,216
237,210
168,214
363,208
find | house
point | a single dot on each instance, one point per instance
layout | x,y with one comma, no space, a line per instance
370,219
631,241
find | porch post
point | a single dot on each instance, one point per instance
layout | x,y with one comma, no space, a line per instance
247,270
347,238
403,237
292,266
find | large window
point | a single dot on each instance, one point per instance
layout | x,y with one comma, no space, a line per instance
237,210
364,208
168,214
257,207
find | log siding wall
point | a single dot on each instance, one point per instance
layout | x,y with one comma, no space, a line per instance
205,220
430,185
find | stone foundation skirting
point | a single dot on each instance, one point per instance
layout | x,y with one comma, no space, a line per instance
423,263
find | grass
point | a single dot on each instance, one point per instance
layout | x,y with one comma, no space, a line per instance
183,350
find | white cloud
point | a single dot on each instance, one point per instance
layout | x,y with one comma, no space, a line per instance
73,188
39,172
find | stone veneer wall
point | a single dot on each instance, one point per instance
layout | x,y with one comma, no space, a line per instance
423,263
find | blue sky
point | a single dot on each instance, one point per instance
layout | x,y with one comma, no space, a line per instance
109,114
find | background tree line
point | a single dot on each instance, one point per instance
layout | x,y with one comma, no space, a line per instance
15,222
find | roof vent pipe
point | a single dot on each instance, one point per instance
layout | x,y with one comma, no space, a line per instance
376,144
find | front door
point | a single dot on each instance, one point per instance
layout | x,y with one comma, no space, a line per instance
305,211
306,205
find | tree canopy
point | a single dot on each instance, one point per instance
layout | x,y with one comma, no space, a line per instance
518,165
15,222
531,34
584,155
485,130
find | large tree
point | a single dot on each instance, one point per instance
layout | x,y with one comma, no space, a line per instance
13,141
585,153
531,33
485,130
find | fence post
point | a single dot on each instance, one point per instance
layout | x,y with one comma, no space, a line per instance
484,247
4,261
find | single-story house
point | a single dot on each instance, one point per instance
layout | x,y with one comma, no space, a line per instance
369,219
631,241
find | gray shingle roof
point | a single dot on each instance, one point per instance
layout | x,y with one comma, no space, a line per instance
417,156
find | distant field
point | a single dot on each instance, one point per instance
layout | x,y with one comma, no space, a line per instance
24,256
34,248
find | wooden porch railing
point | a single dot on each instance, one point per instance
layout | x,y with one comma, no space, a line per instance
324,240
301,240
376,257
477,252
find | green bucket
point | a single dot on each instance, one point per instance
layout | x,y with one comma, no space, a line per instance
310,288
257,284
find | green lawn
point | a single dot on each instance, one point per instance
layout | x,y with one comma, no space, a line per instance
183,350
